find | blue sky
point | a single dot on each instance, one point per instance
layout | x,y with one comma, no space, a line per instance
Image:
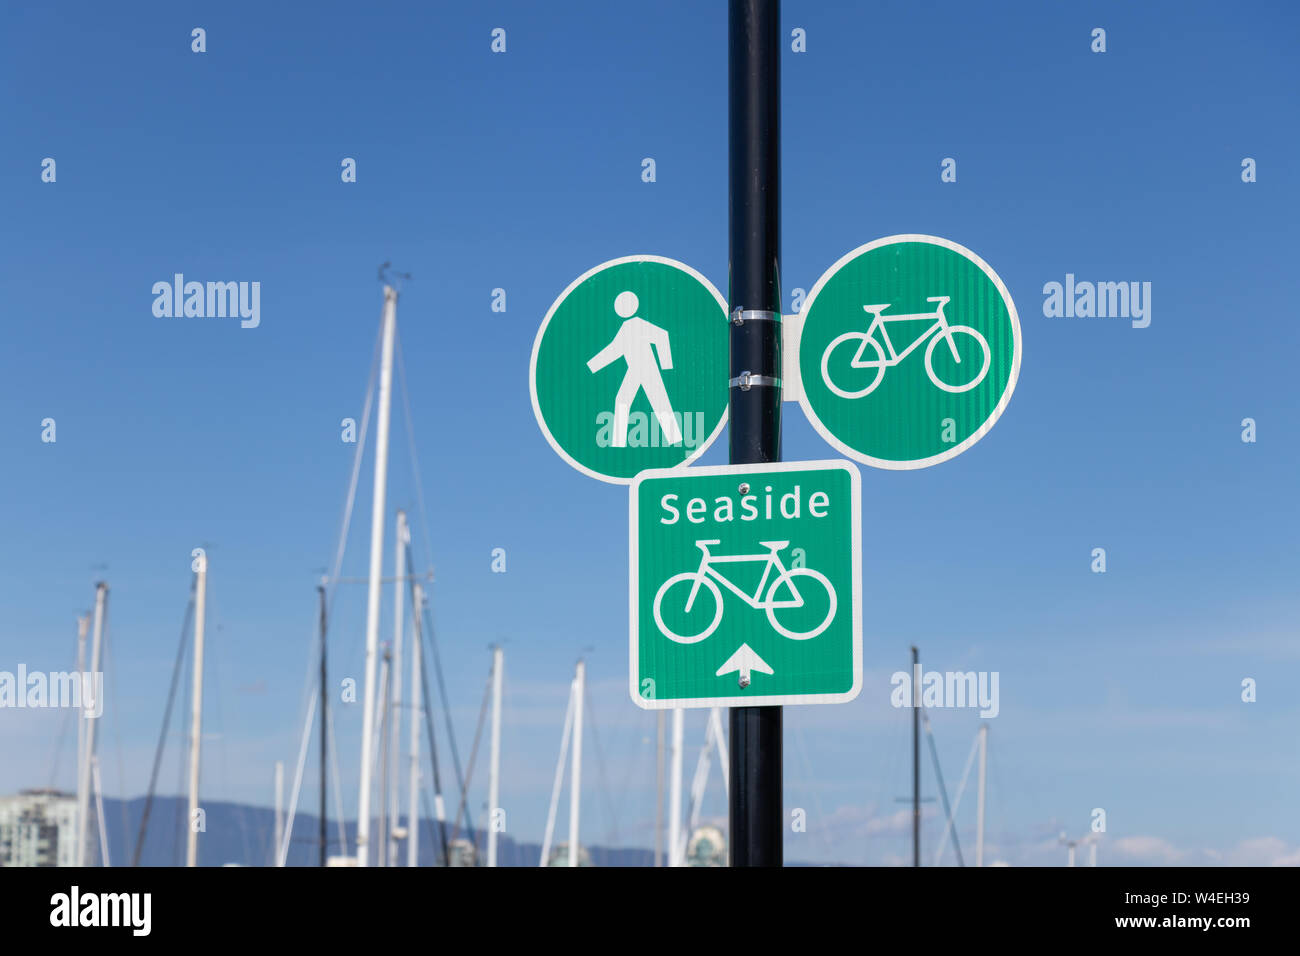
522,171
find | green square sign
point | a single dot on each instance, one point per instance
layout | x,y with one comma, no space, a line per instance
746,585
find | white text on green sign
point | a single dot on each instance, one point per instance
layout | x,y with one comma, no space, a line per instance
746,585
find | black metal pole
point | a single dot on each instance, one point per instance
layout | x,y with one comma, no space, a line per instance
324,724
916,760
754,65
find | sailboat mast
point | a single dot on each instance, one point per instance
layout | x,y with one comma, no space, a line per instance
376,569
324,725
83,627
196,709
393,777
559,778
916,758
99,807
494,769
575,783
83,780
386,690
979,814
417,707
279,806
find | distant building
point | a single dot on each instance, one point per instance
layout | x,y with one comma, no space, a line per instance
462,852
38,828
560,856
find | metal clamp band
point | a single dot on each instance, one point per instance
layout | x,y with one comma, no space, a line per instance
741,316
746,380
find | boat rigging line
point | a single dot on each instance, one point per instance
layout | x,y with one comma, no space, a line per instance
162,737
473,754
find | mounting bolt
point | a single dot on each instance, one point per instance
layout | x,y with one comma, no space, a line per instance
744,487
744,681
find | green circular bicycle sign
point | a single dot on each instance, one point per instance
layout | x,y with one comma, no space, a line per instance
629,369
909,353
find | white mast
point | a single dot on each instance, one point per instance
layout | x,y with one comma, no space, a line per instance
395,705
701,779
376,569
83,627
103,829
979,811
196,707
279,805
575,780
417,715
720,741
559,778
283,850
381,727
83,780
713,738
494,770
675,789
956,803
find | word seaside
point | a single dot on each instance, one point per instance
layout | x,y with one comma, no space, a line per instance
788,507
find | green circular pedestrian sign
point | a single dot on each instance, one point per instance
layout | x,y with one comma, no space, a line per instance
629,369
910,351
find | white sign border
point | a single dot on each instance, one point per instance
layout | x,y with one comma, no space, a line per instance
855,485
989,422
537,344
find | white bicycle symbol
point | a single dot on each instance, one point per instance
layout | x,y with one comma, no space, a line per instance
706,574
939,330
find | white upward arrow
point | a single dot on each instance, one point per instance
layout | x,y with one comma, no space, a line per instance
745,659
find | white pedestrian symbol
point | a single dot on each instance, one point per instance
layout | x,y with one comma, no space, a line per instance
633,343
